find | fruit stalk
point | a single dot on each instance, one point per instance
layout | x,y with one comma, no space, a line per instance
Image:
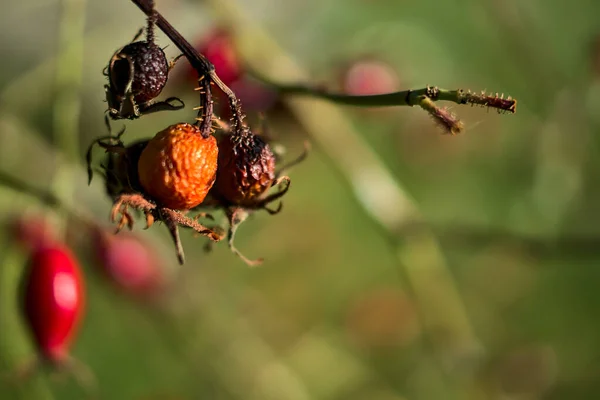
197,60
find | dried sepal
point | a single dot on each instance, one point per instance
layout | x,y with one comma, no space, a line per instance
173,219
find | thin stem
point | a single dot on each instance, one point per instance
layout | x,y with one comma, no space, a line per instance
67,81
45,197
402,98
200,63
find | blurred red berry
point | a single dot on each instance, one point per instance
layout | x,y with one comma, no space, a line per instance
369,76
219,48
130,263
255,96
31,232
53,300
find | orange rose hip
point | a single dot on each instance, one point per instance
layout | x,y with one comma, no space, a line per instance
179,166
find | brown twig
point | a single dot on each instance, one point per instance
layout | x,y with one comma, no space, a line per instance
200,63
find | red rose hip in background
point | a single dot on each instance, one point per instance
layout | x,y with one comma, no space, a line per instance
368,77
130,263
53,300
218,47
31,232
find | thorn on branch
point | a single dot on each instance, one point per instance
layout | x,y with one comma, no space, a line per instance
442,116
498,102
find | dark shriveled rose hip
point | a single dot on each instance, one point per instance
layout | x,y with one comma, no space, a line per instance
137,74
150,69
245,174
246,169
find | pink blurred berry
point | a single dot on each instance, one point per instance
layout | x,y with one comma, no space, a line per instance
31,232
369,76
219,48
130,263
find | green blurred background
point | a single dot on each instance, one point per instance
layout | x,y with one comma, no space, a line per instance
405,264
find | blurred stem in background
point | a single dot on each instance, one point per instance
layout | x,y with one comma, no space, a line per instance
67,105
65,121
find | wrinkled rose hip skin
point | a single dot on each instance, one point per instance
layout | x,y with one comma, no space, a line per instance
246,169
150,69
178,166
53,300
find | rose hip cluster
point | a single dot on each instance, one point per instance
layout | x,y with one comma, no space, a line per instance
185,167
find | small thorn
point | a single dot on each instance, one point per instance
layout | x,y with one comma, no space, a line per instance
198,108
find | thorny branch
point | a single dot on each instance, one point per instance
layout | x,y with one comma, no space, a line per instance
203,66
422,97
